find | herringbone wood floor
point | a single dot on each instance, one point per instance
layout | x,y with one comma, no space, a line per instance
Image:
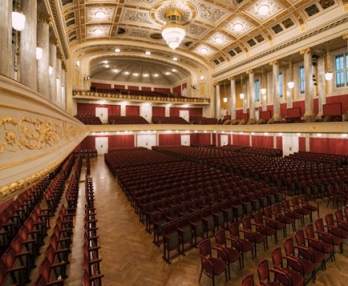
131,259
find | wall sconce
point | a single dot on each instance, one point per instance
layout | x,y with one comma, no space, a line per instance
18,21
225,99
242,96
39,53
291,84
263,91
328,76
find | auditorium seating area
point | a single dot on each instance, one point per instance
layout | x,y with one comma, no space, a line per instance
89,119
127,120
168,120
203,120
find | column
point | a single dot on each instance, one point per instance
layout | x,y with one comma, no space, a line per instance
63,92
69,107
263,91
308,70
276,101
217,100
251,95
290,91
6,65
58,82
321,85
233,99
28,43
43,41
52,72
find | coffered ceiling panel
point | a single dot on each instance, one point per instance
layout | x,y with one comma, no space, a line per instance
214,28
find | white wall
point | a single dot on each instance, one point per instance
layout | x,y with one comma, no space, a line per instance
146,111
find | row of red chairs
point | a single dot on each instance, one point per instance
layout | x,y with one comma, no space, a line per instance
168,120
314,248
18,259
127,120
340,160
53,269
89,119
91,263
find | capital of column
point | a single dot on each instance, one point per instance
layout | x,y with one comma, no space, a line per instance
274,63
306,51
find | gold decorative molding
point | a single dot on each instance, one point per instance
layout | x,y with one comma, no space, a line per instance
85,94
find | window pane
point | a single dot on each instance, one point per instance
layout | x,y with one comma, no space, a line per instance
302,79
340,71
257,90
280,84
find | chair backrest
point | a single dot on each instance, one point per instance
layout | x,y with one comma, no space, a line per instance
309,229
263,271
204,248
220,237
289,247
339,216
300,237
248,280
329,220
277,257
319,224
234,230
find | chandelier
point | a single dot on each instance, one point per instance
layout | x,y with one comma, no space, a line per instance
173,32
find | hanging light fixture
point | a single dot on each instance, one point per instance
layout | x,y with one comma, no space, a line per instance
328,76
173,33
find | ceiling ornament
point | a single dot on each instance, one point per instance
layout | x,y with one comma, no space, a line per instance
100,14
239,26
209,13
219,39
98,31
196,31
264,9
204,50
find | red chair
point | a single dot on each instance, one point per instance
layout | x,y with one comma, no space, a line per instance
228,254
254,237
298,262
327,236
335,229
341,220
318,244
282,215
264,273
315,256
305,204
242,245
210,265
248,280
277,260
265,229
273,223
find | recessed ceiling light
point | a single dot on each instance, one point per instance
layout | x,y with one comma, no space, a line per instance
148,53
107,66
155,75
145,75
175,59
238,27
204,50
218,39
105,62
201,77
264,9
126,73
167,73
135,74
174,70
117,50
98,32
115,70
99,15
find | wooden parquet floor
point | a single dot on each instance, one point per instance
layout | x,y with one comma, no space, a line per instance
131,259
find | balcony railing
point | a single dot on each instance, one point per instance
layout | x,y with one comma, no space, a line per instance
86,94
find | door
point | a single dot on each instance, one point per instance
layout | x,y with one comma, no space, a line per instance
185,114
102,113
290,144
185,140
223,140
146,140
102,145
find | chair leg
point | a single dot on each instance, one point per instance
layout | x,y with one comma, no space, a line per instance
200,274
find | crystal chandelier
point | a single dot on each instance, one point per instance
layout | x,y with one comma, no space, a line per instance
173,33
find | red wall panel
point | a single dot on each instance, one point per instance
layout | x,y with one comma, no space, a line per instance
132,110
158,111
87,108
302,144
99,85
262,141
162,90
121,141
177,90
343,99
329,145
146,88
239,139
200,139
279,142
169,140
133,87
193,112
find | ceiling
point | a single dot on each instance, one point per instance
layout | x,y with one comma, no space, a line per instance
130,69
217,30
